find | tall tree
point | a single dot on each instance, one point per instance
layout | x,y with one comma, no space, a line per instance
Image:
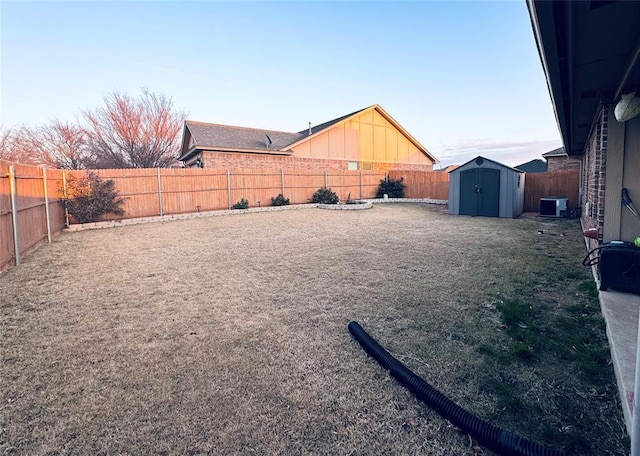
61,145
134,132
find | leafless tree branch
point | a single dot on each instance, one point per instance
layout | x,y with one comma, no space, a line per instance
134,132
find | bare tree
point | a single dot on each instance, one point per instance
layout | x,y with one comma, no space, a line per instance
134,133
17,145
61,145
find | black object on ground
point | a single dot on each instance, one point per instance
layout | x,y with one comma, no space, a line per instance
489,435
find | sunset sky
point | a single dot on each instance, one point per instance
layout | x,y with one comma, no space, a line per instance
464,78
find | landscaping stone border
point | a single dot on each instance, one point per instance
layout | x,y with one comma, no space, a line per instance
193,215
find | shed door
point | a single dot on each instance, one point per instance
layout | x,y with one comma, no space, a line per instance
480,192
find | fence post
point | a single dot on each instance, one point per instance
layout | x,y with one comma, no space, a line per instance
282,175
14,213
229,188
361,184
160,192
46,203
325,178
64,193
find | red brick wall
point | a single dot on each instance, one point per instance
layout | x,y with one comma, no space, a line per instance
260,161
593,176
263,161
563,163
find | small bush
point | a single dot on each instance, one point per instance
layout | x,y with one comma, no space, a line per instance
89,197
242,204
279,200
391,187
324,195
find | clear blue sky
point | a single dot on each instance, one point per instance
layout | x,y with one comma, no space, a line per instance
464,78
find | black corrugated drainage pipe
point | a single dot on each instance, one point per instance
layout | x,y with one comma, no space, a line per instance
489,435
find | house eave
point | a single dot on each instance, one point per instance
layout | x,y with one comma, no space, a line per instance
590,54
214,149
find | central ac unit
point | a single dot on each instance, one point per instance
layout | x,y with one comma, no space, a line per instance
553,206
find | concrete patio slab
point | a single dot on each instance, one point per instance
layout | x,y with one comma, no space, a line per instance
621,313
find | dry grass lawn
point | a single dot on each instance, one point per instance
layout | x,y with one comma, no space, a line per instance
228,335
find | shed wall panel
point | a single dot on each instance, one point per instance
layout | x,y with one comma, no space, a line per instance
511,198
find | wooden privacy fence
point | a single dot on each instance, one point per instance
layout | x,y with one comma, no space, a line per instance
422,184
31,211
152,192
564,183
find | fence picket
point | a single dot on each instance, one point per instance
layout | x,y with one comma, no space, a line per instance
14,214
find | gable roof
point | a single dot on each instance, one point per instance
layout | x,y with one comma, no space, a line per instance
333,123
533,166
201,135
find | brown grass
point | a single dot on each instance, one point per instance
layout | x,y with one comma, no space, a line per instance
228,335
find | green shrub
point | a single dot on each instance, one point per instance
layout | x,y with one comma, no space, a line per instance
242,204
89,197
279,200
324,195
391,187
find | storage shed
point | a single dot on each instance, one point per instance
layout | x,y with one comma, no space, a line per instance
487,188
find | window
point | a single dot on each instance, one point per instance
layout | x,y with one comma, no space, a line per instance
367,166
352,166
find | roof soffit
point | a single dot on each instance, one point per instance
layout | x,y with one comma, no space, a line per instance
587,48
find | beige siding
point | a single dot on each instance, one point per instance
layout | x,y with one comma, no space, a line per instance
367,138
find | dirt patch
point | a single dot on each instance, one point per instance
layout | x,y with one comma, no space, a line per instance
228,335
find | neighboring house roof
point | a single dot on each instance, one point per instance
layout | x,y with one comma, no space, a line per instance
589,53
330,123
559,152
487,159
534,166
447,169
215,137
227,137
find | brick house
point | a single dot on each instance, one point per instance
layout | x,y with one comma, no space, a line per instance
590,53
368,139
591,57
559,160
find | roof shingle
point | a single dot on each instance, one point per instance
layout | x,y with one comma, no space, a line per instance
227,136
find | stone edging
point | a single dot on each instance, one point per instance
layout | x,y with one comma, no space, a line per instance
347,207
192,215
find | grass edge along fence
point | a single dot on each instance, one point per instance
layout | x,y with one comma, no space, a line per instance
31,210
151,192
